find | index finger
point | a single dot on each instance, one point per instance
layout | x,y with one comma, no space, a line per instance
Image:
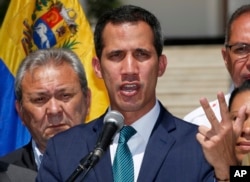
209,113
225,116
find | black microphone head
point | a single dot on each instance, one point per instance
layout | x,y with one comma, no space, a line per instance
116,118
113,122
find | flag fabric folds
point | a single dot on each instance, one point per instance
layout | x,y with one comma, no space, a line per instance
37,24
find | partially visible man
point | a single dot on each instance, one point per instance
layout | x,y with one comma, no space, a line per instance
52,96
235,55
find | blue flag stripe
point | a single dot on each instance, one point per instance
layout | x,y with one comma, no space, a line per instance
12,132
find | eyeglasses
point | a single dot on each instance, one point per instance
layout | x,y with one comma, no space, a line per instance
239,50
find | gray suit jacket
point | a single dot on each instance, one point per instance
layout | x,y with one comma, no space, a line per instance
23,157
13,173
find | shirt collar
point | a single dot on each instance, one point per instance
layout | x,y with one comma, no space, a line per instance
37,154
146,123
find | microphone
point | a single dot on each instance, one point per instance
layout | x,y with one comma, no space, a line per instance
113,122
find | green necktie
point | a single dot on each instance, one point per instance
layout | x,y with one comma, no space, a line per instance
123,166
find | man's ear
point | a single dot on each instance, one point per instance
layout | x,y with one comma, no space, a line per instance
97,67
19,109
225,56
162,65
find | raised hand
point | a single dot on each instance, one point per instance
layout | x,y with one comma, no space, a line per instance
218,142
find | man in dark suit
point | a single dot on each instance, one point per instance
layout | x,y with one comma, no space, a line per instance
129,46
48,100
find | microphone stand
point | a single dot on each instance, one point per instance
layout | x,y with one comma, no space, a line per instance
84,166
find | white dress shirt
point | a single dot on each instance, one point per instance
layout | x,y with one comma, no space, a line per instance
138,142
37,154
199,117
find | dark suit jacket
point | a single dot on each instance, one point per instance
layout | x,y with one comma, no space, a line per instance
23,157
172,154
13,173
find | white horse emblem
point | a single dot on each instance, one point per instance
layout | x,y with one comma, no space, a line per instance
41,30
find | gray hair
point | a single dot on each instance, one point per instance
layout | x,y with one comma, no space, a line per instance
44,57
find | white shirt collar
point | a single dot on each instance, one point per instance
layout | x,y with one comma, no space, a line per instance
148,120
146,123
37,154
138,142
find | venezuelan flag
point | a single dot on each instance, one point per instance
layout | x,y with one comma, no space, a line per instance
38,24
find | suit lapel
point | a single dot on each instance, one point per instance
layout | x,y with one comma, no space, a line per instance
158,146
29,156
157,149
103,168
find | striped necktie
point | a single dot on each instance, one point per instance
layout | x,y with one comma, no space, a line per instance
123,166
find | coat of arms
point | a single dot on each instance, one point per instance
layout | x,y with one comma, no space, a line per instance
52,24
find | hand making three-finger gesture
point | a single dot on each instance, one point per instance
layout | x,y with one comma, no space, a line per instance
218,142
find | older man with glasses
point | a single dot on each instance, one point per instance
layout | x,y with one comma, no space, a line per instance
236,58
